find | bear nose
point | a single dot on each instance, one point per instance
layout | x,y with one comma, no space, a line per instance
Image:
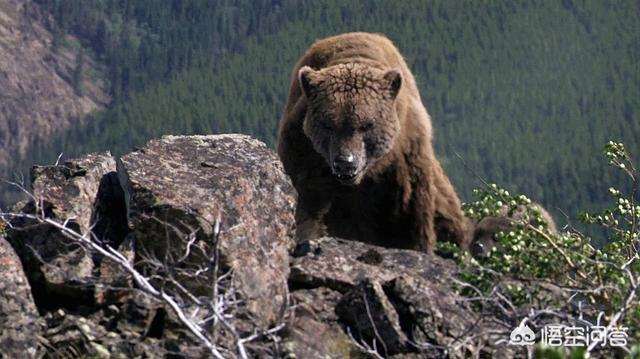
477,249
344,164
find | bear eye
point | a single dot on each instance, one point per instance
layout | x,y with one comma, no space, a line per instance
365,127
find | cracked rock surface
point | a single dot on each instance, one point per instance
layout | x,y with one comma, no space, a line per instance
181,185
223,204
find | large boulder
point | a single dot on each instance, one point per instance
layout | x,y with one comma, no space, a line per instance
19,319
222,200
82,194
183,187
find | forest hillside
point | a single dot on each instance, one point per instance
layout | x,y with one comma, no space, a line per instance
522,93
41,90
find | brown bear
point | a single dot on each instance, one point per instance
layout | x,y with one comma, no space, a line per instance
484,235
355,139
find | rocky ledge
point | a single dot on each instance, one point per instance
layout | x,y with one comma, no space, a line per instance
208,222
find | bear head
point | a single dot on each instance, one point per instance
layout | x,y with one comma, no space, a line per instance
484,235
351,118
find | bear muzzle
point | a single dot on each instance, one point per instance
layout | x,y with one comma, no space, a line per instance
345,168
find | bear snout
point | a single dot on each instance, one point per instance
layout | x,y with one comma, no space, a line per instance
345,167
344,164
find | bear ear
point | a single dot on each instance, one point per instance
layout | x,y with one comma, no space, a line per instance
394,80
305,77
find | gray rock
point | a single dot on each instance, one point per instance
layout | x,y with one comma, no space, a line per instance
165,202
61,271
120,334
71,189
317,302
310,338
434,317
180,185
371,317
341,264
314,331
403,300
19,319
114,283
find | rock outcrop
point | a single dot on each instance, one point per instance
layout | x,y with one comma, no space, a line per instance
209,220
19,317
59,269
180,186
402,300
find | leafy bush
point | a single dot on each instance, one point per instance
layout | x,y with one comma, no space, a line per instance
592,285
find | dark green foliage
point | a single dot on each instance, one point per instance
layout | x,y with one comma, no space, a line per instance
143,42
525,92
529,252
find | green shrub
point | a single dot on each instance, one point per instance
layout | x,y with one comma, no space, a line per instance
605,279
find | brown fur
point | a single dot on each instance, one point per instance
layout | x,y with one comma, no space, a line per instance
353,97
484,234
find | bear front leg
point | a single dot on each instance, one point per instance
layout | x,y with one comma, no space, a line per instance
424,234
451,224
310,221
427,234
